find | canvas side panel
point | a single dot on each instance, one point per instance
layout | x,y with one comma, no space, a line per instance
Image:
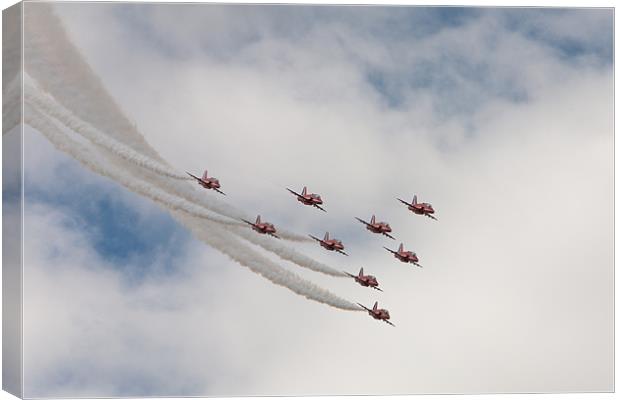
12,188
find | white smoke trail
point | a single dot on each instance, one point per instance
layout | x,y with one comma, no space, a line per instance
206,230
236,250
176,203
57,65
47,104
86,157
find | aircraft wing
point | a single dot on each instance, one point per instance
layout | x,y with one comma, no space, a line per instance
316,238
248,222
364,307
348,274
362,221
390,236
274,235
391,251
319,207
219,191
388,322
295,193
194,176
417,265
376,288
431,216
342,252
404,202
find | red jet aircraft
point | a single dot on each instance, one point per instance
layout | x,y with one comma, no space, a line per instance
330,244
419,208
262,227
208,183
377,227
405,256
365,280
309,199
380,314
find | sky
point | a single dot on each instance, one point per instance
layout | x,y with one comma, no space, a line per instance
501,118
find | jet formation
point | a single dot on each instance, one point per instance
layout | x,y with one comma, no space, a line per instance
335,245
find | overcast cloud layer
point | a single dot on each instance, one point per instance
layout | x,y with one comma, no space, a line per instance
501,118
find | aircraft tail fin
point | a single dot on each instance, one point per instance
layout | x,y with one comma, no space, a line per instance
400,248
361,273
304,191
374,308
258,219
415,199
205,175
372,220
326,237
